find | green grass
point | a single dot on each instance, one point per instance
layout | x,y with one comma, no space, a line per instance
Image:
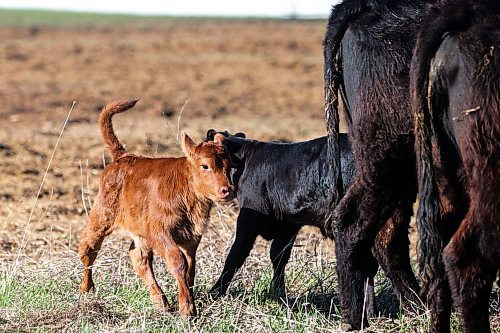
52,18
42,304
27,18
48,300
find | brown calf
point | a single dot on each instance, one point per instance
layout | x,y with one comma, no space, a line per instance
163,202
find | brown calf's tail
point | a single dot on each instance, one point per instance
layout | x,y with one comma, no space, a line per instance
106,125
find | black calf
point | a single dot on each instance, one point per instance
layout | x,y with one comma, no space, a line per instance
281,187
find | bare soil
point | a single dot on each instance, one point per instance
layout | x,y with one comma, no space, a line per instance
263,78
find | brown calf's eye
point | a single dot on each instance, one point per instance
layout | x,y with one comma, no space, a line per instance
204,167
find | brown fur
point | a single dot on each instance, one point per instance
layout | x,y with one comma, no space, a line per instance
163,202
106,126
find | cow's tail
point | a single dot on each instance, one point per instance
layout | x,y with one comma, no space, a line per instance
106,125
423,93
340,18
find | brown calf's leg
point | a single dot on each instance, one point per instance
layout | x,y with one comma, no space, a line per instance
189,251
177,264
90,244
141,255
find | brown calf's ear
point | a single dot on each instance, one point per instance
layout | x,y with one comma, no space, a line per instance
219,139
187,144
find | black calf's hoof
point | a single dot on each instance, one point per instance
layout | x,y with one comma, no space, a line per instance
277,294
214,294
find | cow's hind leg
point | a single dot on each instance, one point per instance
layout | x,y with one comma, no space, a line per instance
471,260
392,252
356,265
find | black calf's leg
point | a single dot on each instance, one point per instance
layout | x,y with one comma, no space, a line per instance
392,252
281,248
248,226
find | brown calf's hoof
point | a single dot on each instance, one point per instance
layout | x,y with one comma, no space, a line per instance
188,310
165,308
160,302
86,287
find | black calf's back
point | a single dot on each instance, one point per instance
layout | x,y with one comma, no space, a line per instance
289,182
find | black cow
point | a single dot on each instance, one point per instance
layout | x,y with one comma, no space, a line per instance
281,187
455,85
367,52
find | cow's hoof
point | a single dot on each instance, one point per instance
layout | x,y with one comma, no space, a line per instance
345,327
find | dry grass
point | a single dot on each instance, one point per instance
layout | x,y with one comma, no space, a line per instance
260,77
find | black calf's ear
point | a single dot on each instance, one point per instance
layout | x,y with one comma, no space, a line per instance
210,134
240,135
235,151
233,146
219,139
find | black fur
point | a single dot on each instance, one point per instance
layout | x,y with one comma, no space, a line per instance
367,51
281,187
456,67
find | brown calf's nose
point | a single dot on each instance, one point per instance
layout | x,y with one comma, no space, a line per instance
224,190
227,192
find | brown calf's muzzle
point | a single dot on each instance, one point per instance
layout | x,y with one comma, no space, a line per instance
226,190
227,193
